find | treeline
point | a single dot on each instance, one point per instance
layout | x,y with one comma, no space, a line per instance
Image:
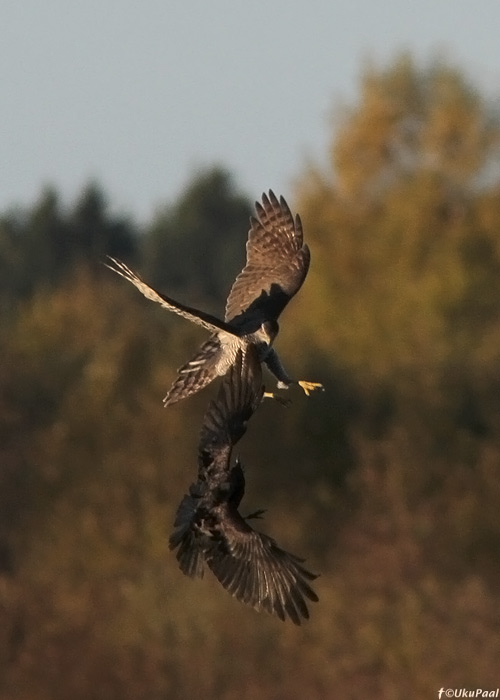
388,483
188,245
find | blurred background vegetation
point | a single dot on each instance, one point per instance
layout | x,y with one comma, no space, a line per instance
388,484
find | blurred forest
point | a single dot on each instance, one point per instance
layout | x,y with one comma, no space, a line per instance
388,483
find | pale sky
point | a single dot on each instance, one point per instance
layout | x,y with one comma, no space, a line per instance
138,94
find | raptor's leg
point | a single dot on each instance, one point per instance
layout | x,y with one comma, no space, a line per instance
279,399
284,380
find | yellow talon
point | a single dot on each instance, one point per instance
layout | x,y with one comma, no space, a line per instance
310,386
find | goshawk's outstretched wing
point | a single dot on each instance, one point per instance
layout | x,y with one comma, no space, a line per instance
276,266
211,323
254,569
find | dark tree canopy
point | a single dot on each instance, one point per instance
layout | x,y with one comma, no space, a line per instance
42,244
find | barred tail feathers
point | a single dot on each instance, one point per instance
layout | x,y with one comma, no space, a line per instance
197,373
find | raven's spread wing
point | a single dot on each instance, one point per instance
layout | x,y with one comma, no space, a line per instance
254,569
194,315
225,421
276,266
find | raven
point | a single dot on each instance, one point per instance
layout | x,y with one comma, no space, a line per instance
208,526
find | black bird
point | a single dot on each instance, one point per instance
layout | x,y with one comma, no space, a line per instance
209,528
276,267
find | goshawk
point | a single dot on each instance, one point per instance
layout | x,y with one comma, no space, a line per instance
276,266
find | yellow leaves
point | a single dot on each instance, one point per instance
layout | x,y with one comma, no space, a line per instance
387,227
455,137
361,151
408,120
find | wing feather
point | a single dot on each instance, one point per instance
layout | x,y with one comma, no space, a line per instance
255,570
201,318
276,266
